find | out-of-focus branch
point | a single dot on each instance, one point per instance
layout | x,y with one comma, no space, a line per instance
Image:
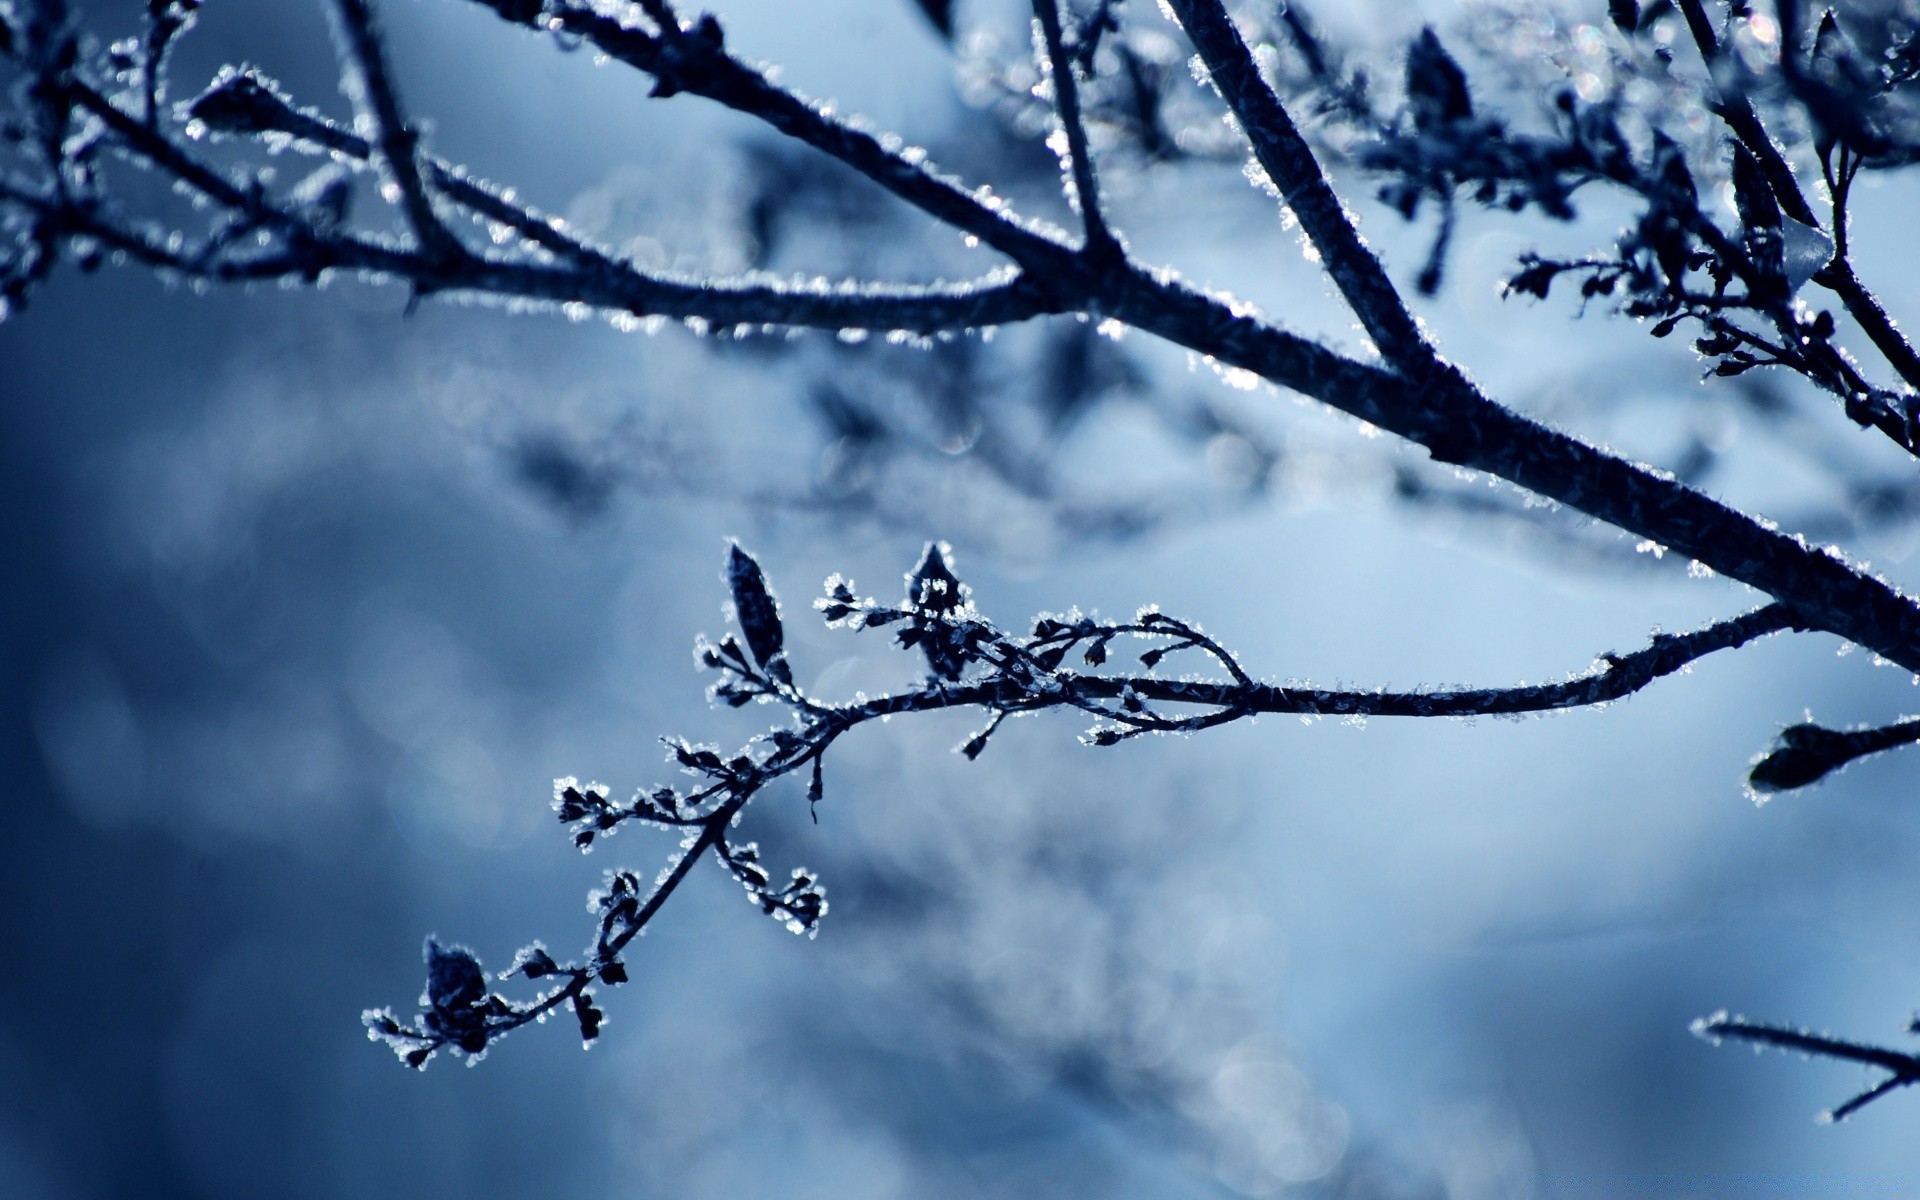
311,248
1733,106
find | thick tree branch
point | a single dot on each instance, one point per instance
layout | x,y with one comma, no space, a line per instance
1460,426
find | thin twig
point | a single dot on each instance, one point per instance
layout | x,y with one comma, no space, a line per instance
1903,1069
372,90
1288,161
1101,245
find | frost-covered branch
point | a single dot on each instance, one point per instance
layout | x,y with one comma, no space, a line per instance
372,89
1067,662
1076,158
1903,1069
1289,163
261,232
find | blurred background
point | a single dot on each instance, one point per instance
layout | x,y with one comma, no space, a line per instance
309,599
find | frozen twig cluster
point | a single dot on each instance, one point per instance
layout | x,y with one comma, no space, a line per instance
1107,672
268,189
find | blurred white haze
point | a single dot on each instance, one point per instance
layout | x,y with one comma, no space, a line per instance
310,601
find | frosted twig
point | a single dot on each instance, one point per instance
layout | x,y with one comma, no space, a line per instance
371,88
1101,245
973,663
1903,1069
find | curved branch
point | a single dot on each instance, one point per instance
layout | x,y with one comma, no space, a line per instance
974,664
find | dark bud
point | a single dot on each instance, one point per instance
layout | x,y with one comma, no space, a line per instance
1625,14
1436,86
417,1058
975,744
1671,163
535,963
454,978
816,788
933,587
591,1018
1105,737
243,102
332,203
1665,327
1050,658
1096,653
1151,658
1822,326
697,758
754,606
1534,279
572,804
1759,210
614,973
1805,755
